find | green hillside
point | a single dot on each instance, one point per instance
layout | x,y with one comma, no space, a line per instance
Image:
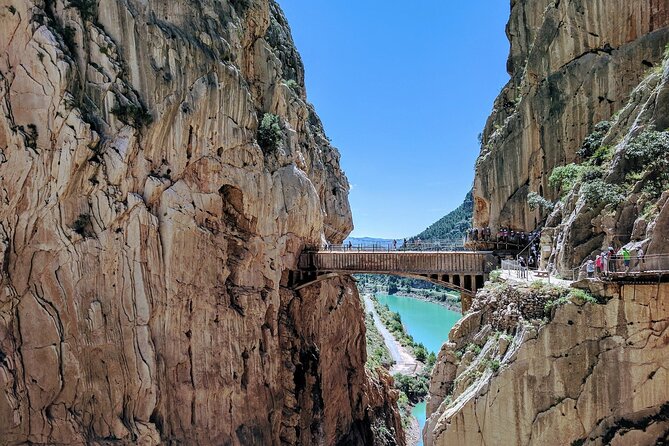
452,226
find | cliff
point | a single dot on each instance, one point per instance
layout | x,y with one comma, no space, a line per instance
577,143
593,372
572,65
160,170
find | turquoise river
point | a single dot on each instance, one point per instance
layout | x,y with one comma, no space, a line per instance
428,323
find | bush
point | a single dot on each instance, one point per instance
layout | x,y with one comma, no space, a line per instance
536,201
648,154
594,140
564,178
582,296
293,85
132,114
599,192
495,275
269,132
87,8
83,226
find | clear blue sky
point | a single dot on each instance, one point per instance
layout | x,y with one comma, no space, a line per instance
403,89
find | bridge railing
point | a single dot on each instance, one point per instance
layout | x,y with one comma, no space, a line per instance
646,265
398,262
437,246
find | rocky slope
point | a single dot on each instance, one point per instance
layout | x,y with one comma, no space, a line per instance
596,374
572,65
160,170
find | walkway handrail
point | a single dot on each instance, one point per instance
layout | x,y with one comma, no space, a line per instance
436,245
531,242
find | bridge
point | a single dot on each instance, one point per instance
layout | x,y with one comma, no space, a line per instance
464,271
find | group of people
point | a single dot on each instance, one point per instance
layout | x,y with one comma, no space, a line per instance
608,261
504,235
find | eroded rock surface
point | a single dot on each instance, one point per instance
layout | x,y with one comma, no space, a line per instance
595,374
144,233
572,65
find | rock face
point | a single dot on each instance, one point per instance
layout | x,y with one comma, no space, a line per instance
596,374
145,233
572,65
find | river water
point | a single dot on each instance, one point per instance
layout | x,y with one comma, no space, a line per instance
428,323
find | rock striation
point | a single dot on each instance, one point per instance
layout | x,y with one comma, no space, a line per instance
160,171
572,65
596,374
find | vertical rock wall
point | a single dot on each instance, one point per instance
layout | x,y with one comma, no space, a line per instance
144,233
572,64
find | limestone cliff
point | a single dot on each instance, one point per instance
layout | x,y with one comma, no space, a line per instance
596,374
160,170
572,65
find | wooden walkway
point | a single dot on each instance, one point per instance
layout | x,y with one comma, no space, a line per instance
464,271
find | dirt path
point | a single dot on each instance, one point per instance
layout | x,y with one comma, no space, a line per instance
405,363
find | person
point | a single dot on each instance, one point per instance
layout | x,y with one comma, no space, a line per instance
523,267
590,268
598,264
605,262
626,258
394,245
404,245
611,257
639,258
350,245
476,234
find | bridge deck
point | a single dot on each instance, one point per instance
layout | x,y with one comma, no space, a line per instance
394,262
465,271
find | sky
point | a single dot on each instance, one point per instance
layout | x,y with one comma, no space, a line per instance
403,90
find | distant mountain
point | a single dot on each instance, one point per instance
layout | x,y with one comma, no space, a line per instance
452,226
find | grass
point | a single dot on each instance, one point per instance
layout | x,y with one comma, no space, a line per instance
377,352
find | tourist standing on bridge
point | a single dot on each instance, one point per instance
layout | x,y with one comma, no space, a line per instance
590,268
611,257
394,245
598,264
626,258
639,259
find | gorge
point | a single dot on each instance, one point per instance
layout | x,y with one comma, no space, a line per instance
162,171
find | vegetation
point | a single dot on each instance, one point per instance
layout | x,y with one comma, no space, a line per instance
411,287
87,8
593,141
648,159
292,84
269,133
453,226
599,192
83,226
393,321
536,201
377,352
414,387
132,114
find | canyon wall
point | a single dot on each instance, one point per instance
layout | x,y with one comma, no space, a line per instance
160,171
534,364
596,374
572,65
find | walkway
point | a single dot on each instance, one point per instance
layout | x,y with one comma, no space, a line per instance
404,362
464,271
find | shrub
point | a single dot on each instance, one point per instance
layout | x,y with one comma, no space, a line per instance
293,85
495,275
581,295
132,114
269,132
564,178
536,201
648,154
87,8
594,140
82,225
599,192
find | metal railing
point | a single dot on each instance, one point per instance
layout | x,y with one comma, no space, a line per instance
646,265
435,245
